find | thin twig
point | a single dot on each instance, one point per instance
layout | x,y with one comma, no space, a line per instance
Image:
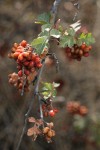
30,107
77,5
54,9
24,81
36,88
56,59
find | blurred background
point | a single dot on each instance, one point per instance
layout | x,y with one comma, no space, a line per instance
80,81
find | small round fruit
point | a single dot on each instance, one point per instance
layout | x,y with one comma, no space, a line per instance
39,65
83,110
80,53
90,47
83,46
16,54
51,133
26,72
86,54
20,73
23,43
51,113
20,57
15,45
45,130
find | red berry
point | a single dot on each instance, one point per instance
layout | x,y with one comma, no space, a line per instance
15,45
20,57
43,107
90,47
16,54
26,72
86,49
25,54
23,43
26,63
80,53
31,64
51,113
37,60
33,57
86,54
20,73
55,110
39,65
83,46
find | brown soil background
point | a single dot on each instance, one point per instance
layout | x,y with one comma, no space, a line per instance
81,80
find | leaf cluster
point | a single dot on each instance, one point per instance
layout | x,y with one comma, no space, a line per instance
48,90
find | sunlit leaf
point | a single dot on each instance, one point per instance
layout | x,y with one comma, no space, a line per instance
55,33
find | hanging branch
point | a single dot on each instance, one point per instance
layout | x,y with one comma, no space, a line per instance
54,11
30,107
77,5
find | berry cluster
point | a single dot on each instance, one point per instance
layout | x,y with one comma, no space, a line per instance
27,64
39,128
76,108
48,110
76,52
17,81
48,132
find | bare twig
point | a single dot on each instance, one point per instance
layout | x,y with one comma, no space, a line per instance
77,5
54,9
30,107
24,81
56,59
36,88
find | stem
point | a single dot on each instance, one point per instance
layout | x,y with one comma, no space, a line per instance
36,88
30,106
54,9
77,5
24,81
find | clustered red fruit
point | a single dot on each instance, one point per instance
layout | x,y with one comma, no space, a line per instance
76,108
76,52
48,110
48,132
27,63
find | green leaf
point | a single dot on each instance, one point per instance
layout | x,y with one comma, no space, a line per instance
49,89
39,44
44,18
38,41
55,33
48,86
60,28
90,39
86,38
79,42
67,40
54,93
71,31
44,33
46,27
82,36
